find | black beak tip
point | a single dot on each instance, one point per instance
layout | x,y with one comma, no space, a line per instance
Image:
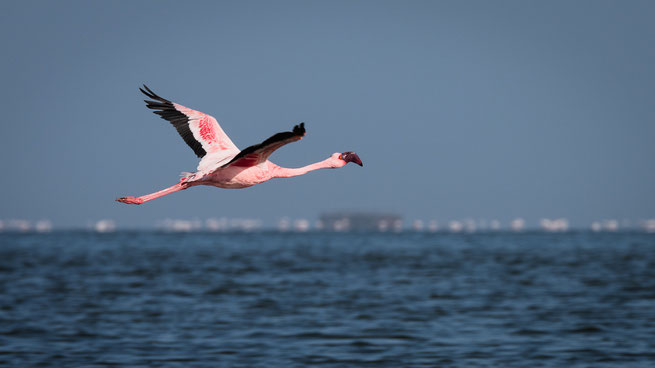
352,157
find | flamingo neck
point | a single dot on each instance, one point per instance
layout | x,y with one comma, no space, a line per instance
284,172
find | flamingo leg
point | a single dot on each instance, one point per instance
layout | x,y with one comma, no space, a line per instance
151,196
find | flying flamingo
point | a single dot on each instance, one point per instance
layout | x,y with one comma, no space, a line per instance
222,164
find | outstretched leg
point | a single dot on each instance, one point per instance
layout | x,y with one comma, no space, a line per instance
151,196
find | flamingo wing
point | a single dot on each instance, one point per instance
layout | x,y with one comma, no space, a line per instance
200,131
259,153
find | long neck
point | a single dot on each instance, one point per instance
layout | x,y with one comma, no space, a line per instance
283,172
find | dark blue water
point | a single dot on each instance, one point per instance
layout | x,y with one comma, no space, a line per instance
342,300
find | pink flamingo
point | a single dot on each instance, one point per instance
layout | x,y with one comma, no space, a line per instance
223,165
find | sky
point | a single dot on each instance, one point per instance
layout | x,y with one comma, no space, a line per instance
459,109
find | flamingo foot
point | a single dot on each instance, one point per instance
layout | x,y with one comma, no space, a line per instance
130,200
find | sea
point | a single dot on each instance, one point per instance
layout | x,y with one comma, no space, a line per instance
154,299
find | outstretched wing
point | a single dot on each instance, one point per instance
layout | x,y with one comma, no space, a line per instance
259,153
200,131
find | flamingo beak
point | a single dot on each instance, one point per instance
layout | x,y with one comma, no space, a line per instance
351,157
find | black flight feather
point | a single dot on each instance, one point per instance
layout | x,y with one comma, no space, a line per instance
298,131
167,111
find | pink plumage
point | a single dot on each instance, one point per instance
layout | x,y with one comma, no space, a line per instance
222,164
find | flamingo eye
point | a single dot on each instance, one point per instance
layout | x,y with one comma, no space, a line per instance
340,157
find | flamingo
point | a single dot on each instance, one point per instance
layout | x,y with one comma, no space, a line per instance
222,164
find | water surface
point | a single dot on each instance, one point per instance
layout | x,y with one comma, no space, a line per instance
331,300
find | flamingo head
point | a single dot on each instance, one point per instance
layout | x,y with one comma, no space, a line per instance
343,158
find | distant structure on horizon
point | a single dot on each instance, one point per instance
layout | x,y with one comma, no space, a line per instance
105,226
555,225
517,224
360,221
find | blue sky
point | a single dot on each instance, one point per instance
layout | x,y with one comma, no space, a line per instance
461,109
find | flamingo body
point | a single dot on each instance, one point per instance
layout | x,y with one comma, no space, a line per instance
222,164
